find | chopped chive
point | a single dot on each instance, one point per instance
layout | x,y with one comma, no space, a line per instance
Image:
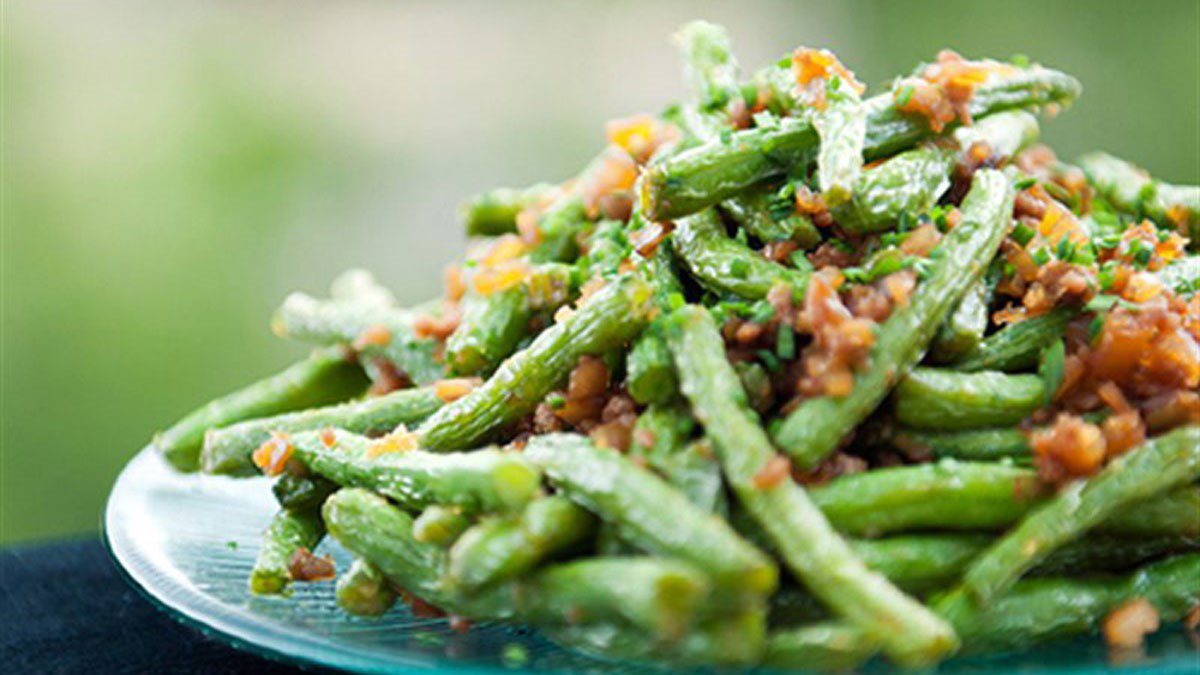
904,95
1022,234
785,342
1101,303
800,261
1142,257
762,312
769,360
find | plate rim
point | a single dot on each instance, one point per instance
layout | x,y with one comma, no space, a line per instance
245,632
262,638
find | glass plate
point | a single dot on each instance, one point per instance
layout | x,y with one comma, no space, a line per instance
188,542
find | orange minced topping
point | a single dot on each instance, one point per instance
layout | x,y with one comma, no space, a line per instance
454,389
1171,247
639,135
814,69
500,277
399,439
943,91
272,456
615,175
373,336
452,279
1126,626
304,566
921,241
646,240
841,342
328,437
1067,449
438,327
508,247
775,471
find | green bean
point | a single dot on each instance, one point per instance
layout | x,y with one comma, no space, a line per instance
659,596
708,174
607,247
440,525
362,590
946,495
813,430
560,226
921,563
726,265
756,380
973,445
368,526
505,547
325,377
1182,276
1132,190
1163,463
649,372
842,131
769,217
963,330
695,471
821,646
660,438
911,182
493,325
301,493
565,219
932,398
495,212
953,495
490,328
711,72
288,532
390,330
910,634
660,432
483,480
1170,514
606,320
1005,134
228,450
649,513
1112,553
1035,610
1018,345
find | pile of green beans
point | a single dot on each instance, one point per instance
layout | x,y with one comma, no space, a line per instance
608,429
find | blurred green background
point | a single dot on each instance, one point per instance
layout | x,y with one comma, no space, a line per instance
171,170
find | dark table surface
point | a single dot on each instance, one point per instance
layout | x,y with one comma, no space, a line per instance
65,608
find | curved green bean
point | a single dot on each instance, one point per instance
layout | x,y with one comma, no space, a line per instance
324,377
814,429
932,398
612,317
227,450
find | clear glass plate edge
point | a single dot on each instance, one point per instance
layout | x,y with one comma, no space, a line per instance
255,634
